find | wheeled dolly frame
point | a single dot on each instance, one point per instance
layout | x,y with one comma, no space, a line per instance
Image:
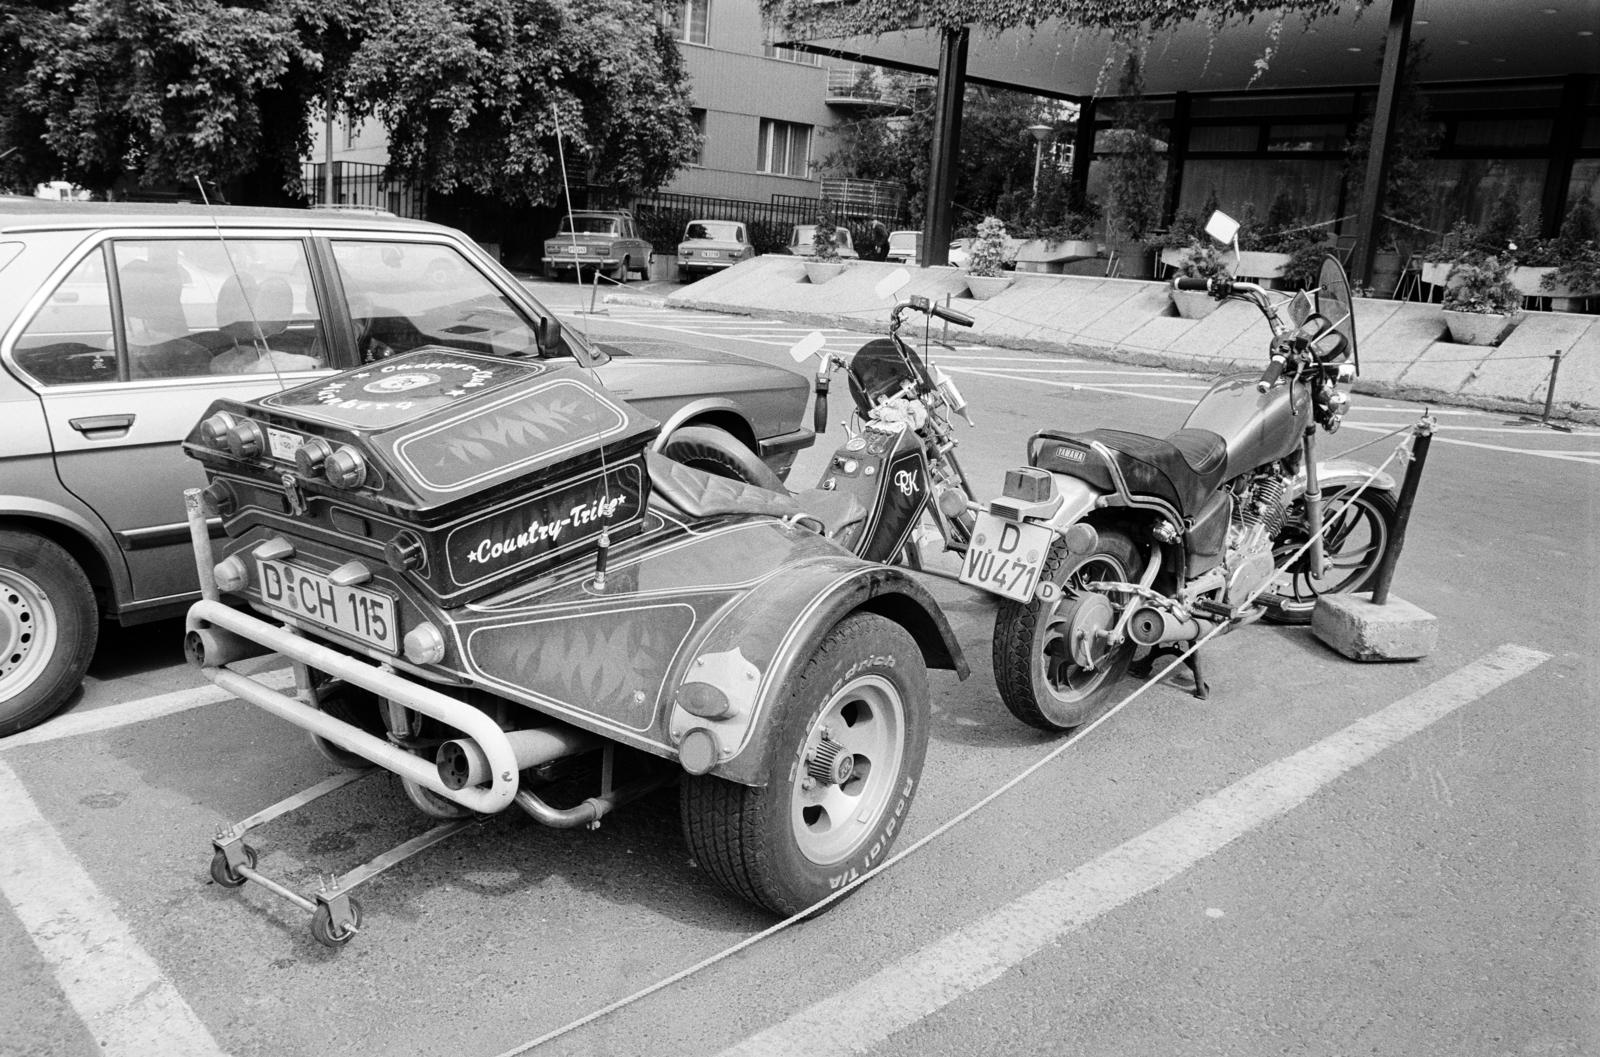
335,914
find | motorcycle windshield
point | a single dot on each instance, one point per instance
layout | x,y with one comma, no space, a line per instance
1334,303
876,371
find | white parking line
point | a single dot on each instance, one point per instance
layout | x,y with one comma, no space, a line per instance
858,1018
126,1002
74,723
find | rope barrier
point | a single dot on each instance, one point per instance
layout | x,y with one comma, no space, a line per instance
1329,521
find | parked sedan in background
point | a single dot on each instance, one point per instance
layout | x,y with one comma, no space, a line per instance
905,246
120,324
712,245
801,236
600,240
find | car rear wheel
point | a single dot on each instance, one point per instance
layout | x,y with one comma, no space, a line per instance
48,629
621,274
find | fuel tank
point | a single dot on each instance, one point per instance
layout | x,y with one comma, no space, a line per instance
1258,427
888,474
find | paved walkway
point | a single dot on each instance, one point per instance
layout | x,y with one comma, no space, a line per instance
1405,351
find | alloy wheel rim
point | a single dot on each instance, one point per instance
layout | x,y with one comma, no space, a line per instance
853,751
27,632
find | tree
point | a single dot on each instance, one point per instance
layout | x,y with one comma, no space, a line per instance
474,93
153,92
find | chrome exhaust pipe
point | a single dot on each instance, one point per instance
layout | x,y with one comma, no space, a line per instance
212,647
462,762
592,810
1150,626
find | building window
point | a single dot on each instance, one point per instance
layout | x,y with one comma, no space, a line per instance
691,21
785,148
805,58
698,117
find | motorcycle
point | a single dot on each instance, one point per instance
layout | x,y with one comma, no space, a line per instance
1109,541
896,463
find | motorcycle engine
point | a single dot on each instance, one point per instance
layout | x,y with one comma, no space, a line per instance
1258,515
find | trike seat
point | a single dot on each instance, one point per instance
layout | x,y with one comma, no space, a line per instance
695,493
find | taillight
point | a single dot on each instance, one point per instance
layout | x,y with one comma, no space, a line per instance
345,467
246,439
312,457
214,430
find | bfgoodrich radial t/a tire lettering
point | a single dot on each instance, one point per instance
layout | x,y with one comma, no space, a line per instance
48,629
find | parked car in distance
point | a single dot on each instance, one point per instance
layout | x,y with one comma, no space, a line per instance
801,235
602,240
905,246
711,246
120,324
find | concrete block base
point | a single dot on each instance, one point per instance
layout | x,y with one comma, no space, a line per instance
1396,631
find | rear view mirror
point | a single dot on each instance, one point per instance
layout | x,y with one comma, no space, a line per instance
807,346
892,284
1222,227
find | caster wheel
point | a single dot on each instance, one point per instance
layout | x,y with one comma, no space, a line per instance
322,929
223,874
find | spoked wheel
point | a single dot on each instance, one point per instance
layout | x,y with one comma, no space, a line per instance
844,769
1359,534
1051,663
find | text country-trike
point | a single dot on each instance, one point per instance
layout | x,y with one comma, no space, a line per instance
479,572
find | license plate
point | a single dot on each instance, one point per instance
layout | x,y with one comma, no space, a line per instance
1005,557
573,249
359,613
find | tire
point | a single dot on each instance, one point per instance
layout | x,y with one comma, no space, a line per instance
792,842
623,268
1039,680
361,708
644,269
716,451
1356,544
322,929
49,625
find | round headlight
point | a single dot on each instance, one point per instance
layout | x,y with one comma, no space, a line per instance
311,456
345,468
214,430
246,439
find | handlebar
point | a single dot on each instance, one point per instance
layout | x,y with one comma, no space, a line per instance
1274,369
1187,283
932,308
960,319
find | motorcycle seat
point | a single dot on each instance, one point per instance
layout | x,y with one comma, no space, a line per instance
696,494
1182,470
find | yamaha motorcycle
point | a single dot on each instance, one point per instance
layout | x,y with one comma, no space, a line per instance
897,461
1109,541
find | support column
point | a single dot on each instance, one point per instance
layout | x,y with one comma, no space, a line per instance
1177,151
1371,205
936,225
1564,141
1082,149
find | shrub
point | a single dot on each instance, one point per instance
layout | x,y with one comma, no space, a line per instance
1202,260
1481,285
988,254
825,239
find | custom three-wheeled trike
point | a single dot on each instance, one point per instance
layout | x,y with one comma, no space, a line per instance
480,572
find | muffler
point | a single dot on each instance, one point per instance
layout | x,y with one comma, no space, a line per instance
1152,626
212,647
462,762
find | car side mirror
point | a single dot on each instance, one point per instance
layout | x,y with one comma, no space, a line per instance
548,336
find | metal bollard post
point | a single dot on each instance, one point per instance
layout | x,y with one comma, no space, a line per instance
1422,441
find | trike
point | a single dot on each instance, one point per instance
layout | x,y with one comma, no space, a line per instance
480,573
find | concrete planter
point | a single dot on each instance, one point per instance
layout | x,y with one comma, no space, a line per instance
983,287
1135,260
1259,264
822,271
1193,304
1530,283
1041,255
1476,328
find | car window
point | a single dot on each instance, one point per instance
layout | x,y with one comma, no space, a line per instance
404,295
711,229
588,225
71,339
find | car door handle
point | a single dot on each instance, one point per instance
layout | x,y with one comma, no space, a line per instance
102,427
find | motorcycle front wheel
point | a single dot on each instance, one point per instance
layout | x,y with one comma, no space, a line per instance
1036,665
1360,532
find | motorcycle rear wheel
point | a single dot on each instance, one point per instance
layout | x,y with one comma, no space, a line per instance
1039,681
1359,536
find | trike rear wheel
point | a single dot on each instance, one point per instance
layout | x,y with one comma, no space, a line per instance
844,766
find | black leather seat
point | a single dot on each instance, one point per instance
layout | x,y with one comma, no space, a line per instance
695,493
1183,469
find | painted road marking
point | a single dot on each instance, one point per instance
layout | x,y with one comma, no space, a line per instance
858,1018
126,1002
74,723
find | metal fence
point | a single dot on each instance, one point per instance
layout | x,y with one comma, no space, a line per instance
361,185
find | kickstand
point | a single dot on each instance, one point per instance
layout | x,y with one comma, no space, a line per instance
1143,668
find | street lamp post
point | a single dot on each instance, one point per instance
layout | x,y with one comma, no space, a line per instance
1040,133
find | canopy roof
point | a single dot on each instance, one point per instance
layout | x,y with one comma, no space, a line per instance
1069,48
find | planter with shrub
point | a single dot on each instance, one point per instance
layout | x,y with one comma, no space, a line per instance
986,260
1201,260
1480,304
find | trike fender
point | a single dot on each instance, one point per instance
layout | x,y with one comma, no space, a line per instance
771,634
